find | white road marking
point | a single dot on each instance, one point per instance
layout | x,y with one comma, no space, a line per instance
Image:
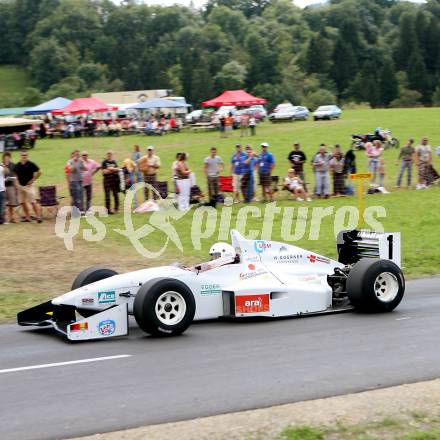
401,319
60,364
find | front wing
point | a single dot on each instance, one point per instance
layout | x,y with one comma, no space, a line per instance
108,323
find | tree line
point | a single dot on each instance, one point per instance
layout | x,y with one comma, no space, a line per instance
380,52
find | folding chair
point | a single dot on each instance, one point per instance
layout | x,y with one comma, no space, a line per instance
162,188
225,184
48,199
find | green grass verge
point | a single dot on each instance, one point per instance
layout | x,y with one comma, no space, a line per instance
409,428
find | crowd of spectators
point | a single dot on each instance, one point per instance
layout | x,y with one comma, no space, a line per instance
247,167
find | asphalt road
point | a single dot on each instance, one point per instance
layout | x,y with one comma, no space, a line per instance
215,367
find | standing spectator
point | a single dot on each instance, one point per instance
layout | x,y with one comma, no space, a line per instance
222,127
77,168
247,179
266,163
27,173
129,171
110,172
349,168
336,165
244,125
229,124
213,168
10,186
136,155
423,161
149,165
320,165
2,193
91,168
297,158
237,170
252,124
406,157
183,183
374,152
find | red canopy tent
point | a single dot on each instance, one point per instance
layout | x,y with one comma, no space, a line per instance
239,98
84,105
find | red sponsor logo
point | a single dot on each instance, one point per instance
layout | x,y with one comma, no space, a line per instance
315,258
252,303
251,266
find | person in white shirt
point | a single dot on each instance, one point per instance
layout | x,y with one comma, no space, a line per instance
2,193
424,162
295,185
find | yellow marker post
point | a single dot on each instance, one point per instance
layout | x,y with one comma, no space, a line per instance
360,177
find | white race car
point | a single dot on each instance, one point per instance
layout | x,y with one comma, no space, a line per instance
250,278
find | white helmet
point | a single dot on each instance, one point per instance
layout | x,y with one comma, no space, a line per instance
224,251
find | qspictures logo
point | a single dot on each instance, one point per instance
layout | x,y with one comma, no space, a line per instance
205,224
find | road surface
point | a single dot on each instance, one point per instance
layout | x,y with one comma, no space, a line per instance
215,367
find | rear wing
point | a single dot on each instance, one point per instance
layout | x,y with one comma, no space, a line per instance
356,244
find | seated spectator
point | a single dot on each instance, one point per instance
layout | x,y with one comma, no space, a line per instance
295,185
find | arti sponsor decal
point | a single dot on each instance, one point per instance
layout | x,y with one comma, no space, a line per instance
210,289
107,327
106,297
317,259
87,301
252,303
261,245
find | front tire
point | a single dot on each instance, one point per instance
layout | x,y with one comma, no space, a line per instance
375,285
164,307
89,276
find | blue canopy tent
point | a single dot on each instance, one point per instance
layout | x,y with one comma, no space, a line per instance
157,103
49,106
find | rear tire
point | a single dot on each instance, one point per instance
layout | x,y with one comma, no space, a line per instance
89,276
375,285
164,307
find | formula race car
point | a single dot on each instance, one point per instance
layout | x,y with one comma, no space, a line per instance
250,278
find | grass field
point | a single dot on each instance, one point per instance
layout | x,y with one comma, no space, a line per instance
13,82
37,265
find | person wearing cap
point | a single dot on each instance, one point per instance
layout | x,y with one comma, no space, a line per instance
91,168
266,163
247,179
213,166
297,158
149,165
237,171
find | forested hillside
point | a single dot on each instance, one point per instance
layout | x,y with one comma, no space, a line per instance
383,52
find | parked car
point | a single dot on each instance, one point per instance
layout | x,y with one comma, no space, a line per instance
327,112
258,109
289,113
194,116
224,110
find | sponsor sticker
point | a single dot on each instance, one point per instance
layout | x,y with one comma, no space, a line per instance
210,289
315,258
252,303
87,301
261,245
107,327
106,297
254,273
